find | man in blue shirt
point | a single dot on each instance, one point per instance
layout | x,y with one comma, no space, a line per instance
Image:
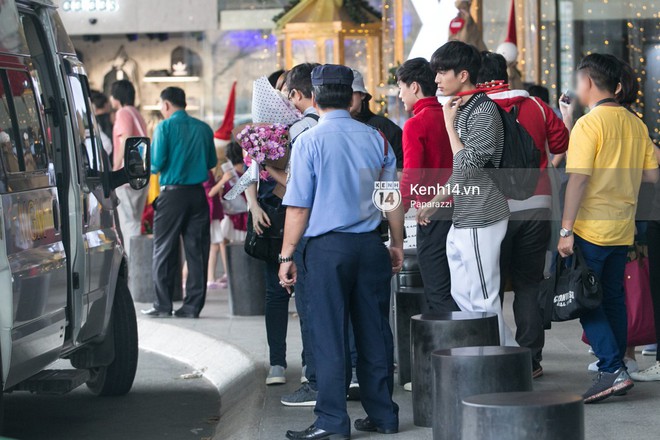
334,168
183,154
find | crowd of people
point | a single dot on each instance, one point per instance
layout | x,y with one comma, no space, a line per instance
474,241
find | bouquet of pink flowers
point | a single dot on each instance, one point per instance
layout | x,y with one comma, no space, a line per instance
267,144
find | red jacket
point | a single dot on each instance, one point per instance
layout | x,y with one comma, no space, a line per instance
550,129
425,148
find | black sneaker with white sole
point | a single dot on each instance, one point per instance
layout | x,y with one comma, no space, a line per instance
303,396
608,385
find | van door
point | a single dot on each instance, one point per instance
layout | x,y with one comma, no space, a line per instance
31,229
97,215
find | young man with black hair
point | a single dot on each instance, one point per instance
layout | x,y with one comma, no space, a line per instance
609,155
329,200
526,241
128,122
481,212
428,162
183,152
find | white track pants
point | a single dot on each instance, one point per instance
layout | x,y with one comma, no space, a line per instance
474,263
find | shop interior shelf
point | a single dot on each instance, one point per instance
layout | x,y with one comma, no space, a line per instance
171,79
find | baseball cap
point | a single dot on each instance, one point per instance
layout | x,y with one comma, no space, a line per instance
332,74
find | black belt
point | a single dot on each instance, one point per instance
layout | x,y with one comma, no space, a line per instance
178,187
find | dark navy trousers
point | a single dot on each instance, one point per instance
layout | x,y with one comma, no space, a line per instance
349,274
303,315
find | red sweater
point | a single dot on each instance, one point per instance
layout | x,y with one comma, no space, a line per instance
550,129
425,148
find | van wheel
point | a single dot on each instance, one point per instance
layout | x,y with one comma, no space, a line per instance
117,378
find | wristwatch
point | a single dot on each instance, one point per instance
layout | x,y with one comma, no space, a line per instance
563,232
281,259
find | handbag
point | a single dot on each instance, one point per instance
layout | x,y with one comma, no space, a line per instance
639,303
571,291
268,245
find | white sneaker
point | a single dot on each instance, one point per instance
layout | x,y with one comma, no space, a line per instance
408,386
651,374
276,375
631,365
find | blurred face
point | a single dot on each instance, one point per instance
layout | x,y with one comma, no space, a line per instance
449,83
583,88
356,103
166,108
409,94
116,105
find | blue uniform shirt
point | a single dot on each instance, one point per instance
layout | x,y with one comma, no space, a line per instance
333,170
183,150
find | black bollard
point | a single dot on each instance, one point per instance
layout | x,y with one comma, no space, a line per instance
463,372
539,415
435,332
246,279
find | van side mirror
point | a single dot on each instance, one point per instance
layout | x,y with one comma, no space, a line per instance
137,161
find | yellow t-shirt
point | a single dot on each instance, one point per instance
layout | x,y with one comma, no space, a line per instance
613,146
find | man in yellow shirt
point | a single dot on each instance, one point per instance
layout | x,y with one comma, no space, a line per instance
609,155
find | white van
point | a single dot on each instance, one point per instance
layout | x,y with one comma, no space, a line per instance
63,290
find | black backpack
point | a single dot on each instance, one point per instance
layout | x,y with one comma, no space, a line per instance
519,170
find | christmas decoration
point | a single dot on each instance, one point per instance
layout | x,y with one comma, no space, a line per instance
359,11
509,50
464,28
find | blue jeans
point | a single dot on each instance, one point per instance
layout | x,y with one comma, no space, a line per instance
277,315
607,326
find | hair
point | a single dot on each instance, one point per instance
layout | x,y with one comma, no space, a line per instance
337,96
234,153
300,78
457,56
418,70
175,95
628,94
493,68
99,100
539,92
603,69
123,91
273,77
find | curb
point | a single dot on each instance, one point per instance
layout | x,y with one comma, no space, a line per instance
233,372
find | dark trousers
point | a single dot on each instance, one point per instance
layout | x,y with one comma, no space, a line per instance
303,315
349,274
607,326
181,212
277,315
653,238
522,260
432,257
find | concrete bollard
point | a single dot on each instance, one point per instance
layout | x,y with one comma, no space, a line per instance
462,372
436,332
538,415
247,284
140,271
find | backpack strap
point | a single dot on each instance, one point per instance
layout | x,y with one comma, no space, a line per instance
310,116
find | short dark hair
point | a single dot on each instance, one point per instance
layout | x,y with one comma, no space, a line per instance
337,96
99,100
604,70
273,77
629,92
123,91
234,153
418,70
493,68
175,95
300,78
539,92
457,56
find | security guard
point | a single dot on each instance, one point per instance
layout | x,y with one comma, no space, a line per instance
329,199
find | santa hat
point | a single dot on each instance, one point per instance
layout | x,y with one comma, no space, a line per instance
509,49
222,135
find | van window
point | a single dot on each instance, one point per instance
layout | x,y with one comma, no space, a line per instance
87,130
28,120
7,142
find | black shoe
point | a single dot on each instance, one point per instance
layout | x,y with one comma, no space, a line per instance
366,425
155,313
314,433
183,314
353,392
